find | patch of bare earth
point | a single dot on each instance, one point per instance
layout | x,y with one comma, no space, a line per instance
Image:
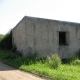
10,73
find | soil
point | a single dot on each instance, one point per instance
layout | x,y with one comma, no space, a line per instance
10,73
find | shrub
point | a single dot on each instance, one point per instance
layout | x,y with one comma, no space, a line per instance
9,55
6,41
75,62
78,54
6,54
27,60
54,61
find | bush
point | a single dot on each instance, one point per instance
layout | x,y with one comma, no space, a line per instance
9,55
6,41
75,62
78,54
6,54
54,61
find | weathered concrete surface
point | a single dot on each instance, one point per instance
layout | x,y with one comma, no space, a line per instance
19,35
10,73
42,36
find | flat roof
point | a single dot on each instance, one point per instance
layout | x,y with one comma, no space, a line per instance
51,19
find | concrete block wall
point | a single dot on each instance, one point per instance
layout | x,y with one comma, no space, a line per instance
42,36
19,35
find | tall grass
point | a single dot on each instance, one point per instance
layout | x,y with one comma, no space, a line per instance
6,54
63,72
53,61
39,66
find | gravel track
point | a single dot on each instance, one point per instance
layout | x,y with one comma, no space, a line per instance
10,73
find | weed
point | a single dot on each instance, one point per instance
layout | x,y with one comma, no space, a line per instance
75,62
54,61
42,68
78,54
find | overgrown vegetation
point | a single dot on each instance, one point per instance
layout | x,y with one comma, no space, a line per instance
6,41
53,61
1,37
52,66
43,67
6,55
78,54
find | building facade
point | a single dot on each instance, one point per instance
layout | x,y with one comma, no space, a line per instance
47,37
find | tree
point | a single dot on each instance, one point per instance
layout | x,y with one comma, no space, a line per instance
6,41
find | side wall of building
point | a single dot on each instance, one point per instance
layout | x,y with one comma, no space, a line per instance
73,31
42,36
19,35
74,44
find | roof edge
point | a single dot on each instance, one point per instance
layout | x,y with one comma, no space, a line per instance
52,20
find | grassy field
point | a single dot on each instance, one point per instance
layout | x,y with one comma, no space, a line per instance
30,64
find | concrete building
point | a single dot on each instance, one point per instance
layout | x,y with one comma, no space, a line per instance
47,37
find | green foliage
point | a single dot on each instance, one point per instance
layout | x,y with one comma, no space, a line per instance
33,56
18,61
38,66
78,54
6,41
9,55
1,37
6,55
64,72
54,61
75,62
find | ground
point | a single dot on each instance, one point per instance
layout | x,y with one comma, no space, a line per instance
10,73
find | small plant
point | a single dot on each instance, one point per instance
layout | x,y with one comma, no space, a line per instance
78,54
75,62
44,67
54,61
33,56
6,55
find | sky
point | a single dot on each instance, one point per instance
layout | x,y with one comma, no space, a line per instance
12,11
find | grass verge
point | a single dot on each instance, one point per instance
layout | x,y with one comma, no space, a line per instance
63,72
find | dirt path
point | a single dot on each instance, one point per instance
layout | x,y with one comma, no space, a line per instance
9,73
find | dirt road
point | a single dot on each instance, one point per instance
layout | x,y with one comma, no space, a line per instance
9,73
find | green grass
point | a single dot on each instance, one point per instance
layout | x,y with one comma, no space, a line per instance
3,54
63,72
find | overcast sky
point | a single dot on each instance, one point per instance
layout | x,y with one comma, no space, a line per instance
12,11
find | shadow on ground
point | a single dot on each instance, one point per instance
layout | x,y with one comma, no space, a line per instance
4,67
